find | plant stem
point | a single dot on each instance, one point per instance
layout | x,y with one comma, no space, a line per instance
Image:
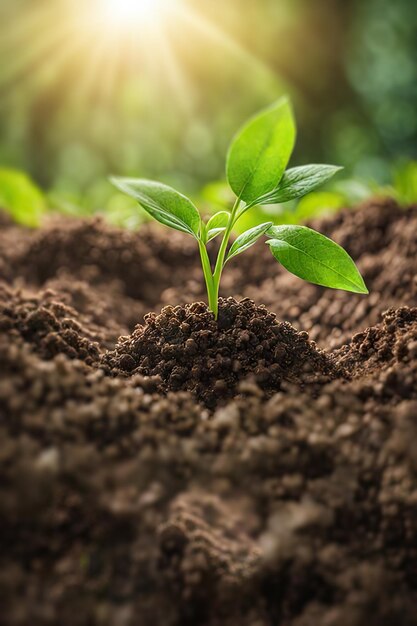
208,277
220,258
213,279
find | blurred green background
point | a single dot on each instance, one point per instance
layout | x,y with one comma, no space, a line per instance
87,91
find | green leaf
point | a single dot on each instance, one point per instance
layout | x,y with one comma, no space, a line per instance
213,233
299,181
21,198
260,152
218,220
315,258
405,182
217,224
316,204
164,204
247,239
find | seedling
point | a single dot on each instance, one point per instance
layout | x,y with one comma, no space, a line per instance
256,172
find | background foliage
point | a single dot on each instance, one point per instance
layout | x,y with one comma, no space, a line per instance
80,101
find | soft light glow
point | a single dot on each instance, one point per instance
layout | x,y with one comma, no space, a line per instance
128,12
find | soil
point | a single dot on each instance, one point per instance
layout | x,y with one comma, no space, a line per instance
159,468
189,350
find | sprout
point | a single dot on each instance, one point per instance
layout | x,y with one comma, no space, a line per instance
256,172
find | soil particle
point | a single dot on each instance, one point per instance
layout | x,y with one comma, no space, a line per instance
190,350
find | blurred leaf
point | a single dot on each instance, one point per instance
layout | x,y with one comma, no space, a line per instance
405,183
354,190
319,203
66,203
218,194
315,258
260,152
123,211
20,197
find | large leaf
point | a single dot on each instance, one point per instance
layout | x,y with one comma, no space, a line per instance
315,258
260,152
167,206
299,181
247,239
20,197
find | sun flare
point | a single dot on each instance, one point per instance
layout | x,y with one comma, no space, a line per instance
111,45
128,12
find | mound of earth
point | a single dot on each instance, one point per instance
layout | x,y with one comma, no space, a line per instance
47,324
189,350
394,341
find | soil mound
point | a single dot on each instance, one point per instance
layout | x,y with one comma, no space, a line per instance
97,253
390,343
191,351
48,325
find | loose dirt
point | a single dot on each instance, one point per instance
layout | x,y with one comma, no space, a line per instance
189,350
159,468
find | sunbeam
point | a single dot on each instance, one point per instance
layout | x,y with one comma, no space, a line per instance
128,13
107,41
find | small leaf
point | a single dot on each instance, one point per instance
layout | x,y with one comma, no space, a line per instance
213,233
216,225
218,220
247,239
315,258
260,152
164,204
299,181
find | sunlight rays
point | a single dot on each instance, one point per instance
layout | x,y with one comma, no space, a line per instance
211,32
104,41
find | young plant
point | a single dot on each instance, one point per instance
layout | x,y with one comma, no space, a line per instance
256,172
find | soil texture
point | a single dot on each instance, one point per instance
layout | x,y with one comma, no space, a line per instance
161,468
189,350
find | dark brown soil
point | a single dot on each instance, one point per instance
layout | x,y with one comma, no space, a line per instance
189,350
201,474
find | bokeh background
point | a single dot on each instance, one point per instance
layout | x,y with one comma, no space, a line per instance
98,87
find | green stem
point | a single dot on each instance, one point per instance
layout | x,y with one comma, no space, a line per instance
213,279
208,277
221,255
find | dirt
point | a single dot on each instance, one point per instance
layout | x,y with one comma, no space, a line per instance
189,350
161,468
